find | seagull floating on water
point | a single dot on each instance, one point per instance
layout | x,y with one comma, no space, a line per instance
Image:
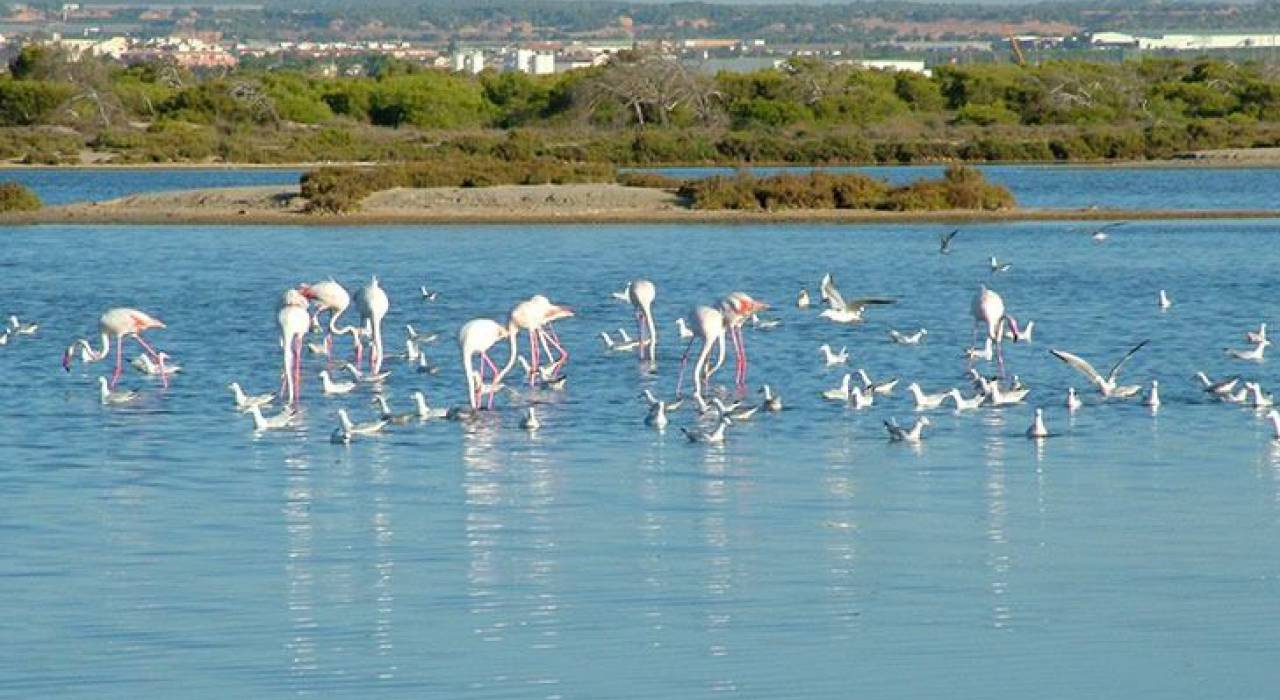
245,402
926,402
944,242
860,398
683,327
421,338
1256,336
1073,401
963,404
385,412
332,388
151,368
997,266
1222,387
1107,386
834,358
772,401
20,328
913,434
1038,431
657,416
365,428
530,420
277,421
840,393
424,411
1165,301
1274,417
1153,395
712,436
1256,398
986,354
114,397
366,377
802,299
1254,354
884,388
904,339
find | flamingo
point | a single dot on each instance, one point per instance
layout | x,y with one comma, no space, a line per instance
334,298
737,308
120,323
988,308
476,337
535,315
641,293
709,326
294,321
373,305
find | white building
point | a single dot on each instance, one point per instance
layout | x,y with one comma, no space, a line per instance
544,64
1206,42
468,61
893,65
1112,39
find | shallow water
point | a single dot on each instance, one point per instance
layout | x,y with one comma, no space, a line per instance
163,550
1188,188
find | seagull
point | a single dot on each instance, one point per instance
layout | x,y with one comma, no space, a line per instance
530,420
713,436
997,266
685,333
802,299
903,339
840,394
1153,395
317,348
1275,424
963,404
1037,431
364,377
1237,397
624,294
1256,336
331,388
115,397
367,428
1020,333
765,324
1107,385
1256,398
899,434
425,366
428,294
244,402
1073,401
1220,388
834,358
652,400
926,402
19,328
144,364
625,345
1100,234
1254,354
384,412
772,401
986,354
411,351
944,242
283,419
737,412
999,397
422,338
883,388
4,337
1165,301
841,311
657,417
861,398
424,411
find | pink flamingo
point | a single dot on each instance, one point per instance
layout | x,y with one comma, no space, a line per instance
373,304
709,327
642,293
333,297
737,309
476,337
535,315
294,321
988,308
120,323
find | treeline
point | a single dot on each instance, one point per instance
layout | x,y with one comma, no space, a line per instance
639,109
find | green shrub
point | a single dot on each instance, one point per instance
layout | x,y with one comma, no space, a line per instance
17,197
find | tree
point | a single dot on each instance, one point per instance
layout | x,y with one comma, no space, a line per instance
650,88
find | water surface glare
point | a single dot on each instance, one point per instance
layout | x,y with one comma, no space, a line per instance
162,550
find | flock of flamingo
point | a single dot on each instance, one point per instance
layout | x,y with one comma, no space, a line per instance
712,327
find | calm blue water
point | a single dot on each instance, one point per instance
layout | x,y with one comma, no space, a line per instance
164,550
1033,185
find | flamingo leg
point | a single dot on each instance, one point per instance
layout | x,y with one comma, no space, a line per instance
550,336
684,361
297,369
533,353
742,350
164,378
493,389
119,361
640,332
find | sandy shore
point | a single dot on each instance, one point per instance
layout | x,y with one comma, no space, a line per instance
595,203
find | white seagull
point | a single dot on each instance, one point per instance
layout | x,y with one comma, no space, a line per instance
116,397
424,411
280,420
1107,386
842,392
1153,395
712,436
772,401
245,402
1037,430
1256,336
883,388
1254,354
963,404
841,311
913,434
530,420
926,402
908,339
1073,401
332,388
366,428
1165,301
834,358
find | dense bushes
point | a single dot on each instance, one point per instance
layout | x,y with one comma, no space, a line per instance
16,197
960,188
342,189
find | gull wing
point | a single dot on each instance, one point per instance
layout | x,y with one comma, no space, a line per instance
1111,376
860,304
831,294
1079,365
945,240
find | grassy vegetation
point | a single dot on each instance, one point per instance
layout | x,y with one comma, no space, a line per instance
16,197
959,188
638,110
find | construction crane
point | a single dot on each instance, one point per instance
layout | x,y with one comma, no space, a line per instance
1018,58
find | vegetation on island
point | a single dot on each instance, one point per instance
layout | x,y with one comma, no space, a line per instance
639,109
17,197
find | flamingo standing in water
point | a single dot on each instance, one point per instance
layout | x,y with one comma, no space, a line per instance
737,309
294,321
334,298
373,305
988,308
536,315
476,337
642,293
709,326
120,323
